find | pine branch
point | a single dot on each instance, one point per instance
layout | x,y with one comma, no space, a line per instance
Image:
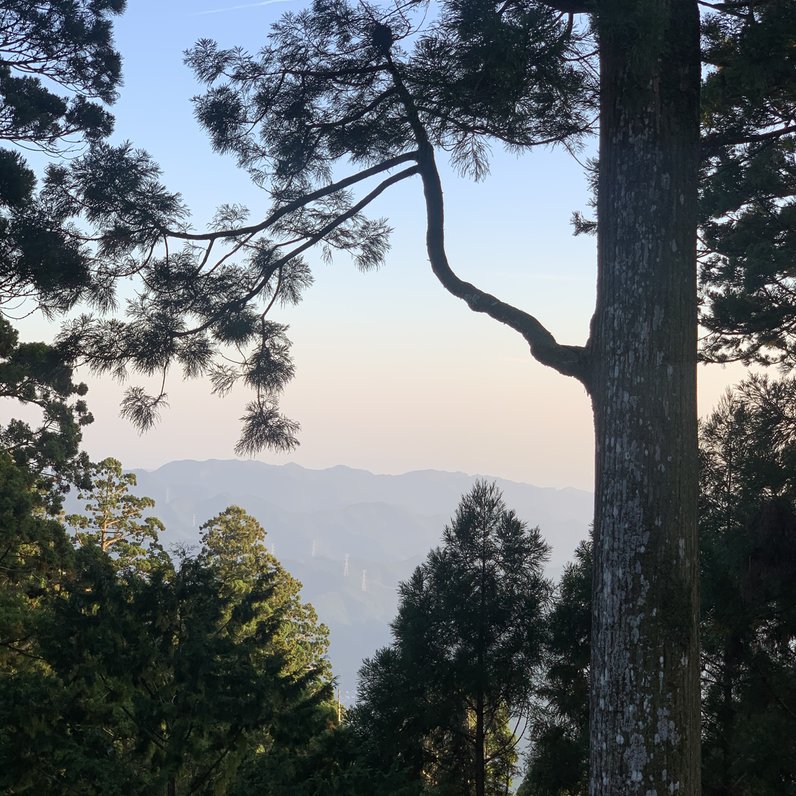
296,204
567,360
571,6
711,143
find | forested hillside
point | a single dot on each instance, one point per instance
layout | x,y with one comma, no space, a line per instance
384,524
175,653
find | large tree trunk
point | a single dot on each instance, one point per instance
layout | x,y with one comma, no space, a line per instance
480,746
645,690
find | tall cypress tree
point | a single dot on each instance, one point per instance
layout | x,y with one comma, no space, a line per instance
115,521
468,636
748,542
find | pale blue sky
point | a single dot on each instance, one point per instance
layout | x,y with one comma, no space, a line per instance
393,373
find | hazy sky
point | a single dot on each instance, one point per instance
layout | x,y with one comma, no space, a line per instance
394,374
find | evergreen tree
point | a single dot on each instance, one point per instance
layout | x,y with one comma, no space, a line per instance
56,60
387,89
747,196
58,70
36,375
114,519
164,680
35,553
748,626
234,549
748,535
468,635
558,762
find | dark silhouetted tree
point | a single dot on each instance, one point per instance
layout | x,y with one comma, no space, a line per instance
560,728
748,542
58,70
384,91
468,636
56,60
748,537
35,374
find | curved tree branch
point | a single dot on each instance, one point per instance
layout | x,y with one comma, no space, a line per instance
714,142
568,360
296,204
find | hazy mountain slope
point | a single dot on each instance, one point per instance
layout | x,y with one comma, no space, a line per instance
384,524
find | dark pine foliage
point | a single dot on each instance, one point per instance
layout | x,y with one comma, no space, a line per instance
438,708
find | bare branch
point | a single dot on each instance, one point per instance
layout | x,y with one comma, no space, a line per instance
568,360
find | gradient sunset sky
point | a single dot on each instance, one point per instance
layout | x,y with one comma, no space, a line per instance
393,373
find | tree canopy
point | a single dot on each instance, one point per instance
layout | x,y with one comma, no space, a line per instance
128,673
439,708
377,94
388,86
56,60
58,72
114,517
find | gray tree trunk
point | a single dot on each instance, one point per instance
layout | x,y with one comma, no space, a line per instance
645,663
480,746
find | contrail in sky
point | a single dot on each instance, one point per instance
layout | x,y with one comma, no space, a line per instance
238,8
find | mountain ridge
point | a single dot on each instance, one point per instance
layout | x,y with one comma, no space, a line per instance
316,520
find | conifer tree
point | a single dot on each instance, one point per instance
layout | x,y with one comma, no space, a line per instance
36,375
748,538
165,680
386,90
114,518
558,761
468,636
234,549
35,553
748,553
58,73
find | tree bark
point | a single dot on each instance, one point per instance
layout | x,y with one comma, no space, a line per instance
480,707
480,746
645,732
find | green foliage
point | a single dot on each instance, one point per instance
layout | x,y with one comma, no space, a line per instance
35,552
748,532
159,679
291,114
749,177
115,521
68,44
328,765
748,592
35,374
558,762
434,708
57,58
234,549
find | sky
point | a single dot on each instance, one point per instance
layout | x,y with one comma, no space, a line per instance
393,373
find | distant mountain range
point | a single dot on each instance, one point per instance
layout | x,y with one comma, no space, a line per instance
348,535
